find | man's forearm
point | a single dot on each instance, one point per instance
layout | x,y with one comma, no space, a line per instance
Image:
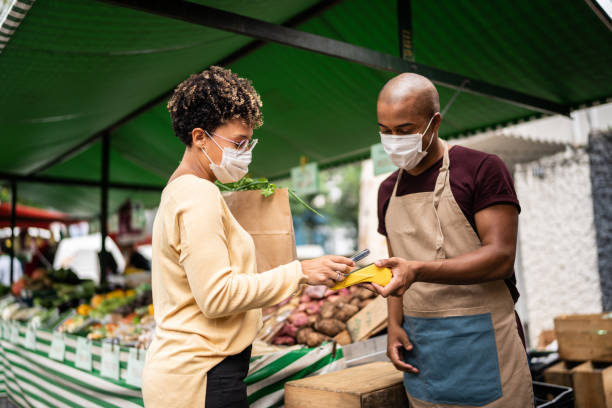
395,310
487,263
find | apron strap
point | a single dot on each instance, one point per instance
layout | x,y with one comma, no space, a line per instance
399,177
441,183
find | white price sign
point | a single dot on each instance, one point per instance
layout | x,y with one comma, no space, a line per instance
58,347
15,334
83,354
110,361
135,366
30,338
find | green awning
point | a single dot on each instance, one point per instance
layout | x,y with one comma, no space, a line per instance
75,67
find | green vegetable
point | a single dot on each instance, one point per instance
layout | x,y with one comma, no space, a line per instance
262,184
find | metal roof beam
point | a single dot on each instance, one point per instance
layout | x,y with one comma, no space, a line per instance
264,31
78,182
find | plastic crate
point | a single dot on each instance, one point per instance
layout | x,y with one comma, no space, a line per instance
552,396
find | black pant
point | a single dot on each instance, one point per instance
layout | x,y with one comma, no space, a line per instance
225,387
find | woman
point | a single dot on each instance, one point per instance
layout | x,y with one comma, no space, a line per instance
206,292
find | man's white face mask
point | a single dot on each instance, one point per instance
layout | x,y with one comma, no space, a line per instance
406,151
234,162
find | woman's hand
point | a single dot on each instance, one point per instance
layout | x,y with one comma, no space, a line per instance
404,274
326,270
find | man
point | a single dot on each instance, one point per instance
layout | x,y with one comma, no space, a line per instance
450,216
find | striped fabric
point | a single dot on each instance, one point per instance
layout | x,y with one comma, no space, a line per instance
31,379
12,13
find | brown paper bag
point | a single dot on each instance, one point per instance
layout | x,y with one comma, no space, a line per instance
268,220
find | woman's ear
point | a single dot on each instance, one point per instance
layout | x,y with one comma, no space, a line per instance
197,137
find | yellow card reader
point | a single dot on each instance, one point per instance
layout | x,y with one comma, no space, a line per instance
369,273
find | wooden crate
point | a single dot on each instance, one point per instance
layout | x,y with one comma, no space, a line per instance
368,386
560,373
369,320
584,337
593,385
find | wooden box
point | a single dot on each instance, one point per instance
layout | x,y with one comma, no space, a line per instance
584,337
369,320
593,385
560,373
367,386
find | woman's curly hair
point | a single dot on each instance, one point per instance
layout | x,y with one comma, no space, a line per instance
210,98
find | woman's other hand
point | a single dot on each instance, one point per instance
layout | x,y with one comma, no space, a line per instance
326,270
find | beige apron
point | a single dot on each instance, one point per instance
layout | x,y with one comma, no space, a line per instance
465,339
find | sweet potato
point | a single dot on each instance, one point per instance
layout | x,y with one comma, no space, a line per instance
313,308
329,327
346,311
284,340
315,292
298,319
305,299
312,319
288,330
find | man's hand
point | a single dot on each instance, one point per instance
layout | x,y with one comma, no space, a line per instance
398,343
404,274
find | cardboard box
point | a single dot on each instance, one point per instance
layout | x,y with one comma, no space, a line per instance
560,373
368,386
593,385
369,320
585,337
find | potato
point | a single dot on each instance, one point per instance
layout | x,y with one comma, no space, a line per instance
329,327
346,311
302,335
364,303
355,301
315,339
364,294
328,310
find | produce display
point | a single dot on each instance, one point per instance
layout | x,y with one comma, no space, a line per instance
316,316
59,300
126,316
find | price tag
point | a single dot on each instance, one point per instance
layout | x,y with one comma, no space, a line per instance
30,338
305,179
83,354
135,366
58,347
15,334
110,361
382,162
6,331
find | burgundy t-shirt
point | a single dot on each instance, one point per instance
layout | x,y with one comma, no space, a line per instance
478,180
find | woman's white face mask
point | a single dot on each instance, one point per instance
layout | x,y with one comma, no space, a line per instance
234,163
406,151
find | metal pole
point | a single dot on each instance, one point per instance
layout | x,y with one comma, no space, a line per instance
104,205
13,225
404,26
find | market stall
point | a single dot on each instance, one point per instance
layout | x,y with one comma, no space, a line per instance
98,133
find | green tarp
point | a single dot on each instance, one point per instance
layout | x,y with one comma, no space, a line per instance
74,67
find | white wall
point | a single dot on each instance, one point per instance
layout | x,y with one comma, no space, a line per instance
558,251
368,217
